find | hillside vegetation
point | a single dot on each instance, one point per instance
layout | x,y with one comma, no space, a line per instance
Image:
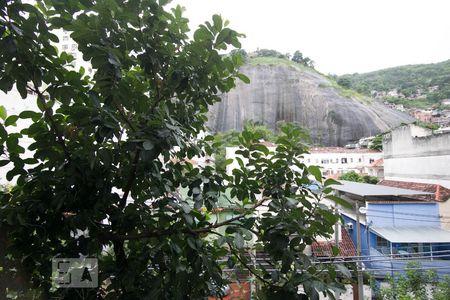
413,85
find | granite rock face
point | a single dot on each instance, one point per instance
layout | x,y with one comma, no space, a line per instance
285,93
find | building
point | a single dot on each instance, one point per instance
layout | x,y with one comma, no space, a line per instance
376,169
423,115
335,161
440,195
396,227
415,154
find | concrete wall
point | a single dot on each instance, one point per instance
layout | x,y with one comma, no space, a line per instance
414,154
408,214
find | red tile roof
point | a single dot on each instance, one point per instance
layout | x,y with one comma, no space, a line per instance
440,193
346,246
341,150
378,163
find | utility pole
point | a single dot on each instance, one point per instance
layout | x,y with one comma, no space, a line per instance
337,294
358,253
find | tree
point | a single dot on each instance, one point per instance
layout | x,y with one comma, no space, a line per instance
297,57
306,61
414,285
353,176
344,82
110,155
377,143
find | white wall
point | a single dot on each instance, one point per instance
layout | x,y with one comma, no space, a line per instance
414,154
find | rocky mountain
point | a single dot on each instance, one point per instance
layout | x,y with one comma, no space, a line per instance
285,91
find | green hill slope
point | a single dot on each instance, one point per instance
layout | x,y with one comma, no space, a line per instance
413,85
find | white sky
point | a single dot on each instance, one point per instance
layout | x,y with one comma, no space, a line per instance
341,36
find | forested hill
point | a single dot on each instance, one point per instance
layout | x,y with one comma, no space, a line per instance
429,83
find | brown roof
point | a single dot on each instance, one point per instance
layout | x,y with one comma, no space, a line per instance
440,193
346,246
341,150
378,163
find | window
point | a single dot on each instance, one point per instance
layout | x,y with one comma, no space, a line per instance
371,160
359,159
325,161
344,160
74,47
65,38
351,160
65,47
382,242
308,160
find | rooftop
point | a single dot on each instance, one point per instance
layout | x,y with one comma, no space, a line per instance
341,150
440,193
346,246
413,234
373,190
377,163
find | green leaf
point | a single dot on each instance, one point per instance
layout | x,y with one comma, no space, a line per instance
344,270
331,181
3,113
148,145
4,163
244,78
238,240
260,147
315,171
11,120
28,114
217,20
191,243
340,201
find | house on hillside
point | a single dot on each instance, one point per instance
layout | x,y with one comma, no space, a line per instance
396,226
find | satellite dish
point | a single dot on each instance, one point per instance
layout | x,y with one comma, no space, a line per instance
363,210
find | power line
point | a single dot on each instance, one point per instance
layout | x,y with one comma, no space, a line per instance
390,259
407,214
409,219
382,255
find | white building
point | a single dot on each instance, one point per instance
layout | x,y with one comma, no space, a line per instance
415,154
333,161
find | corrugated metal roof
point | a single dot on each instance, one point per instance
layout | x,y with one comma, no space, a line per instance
413,234
366,189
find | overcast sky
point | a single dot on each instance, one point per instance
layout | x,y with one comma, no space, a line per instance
341,36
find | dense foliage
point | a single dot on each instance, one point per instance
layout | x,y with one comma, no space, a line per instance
353,176
430,80
110,153
416,284
230,138
377,142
